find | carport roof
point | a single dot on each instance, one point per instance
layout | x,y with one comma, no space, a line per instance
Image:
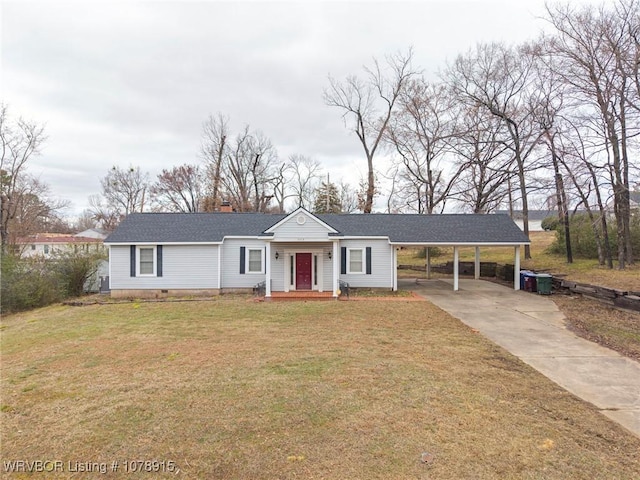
440,229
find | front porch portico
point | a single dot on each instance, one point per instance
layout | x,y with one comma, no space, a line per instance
302,267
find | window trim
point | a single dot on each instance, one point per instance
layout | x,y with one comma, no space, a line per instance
154,258
247,263
362,261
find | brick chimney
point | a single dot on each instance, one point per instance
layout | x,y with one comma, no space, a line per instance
226,207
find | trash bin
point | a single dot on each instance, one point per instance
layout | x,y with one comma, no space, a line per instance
523,273
530,282
545,283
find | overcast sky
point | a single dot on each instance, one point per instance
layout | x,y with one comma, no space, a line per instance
130,83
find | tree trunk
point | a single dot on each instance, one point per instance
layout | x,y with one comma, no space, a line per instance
216,175
371,186
561,199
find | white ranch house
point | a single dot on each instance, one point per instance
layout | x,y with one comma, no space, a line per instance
159,254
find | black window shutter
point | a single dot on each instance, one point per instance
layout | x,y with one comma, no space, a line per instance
368,260
132,257
159,260
242,259
343,260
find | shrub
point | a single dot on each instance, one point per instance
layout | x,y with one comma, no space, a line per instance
27,283
76,271
583,242
550,223
433,252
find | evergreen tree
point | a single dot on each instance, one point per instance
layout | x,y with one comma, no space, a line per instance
327,199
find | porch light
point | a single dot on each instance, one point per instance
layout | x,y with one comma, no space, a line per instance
277,255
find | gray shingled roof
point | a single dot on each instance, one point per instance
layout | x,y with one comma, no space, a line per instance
400,228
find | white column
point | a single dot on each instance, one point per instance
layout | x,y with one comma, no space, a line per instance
516,269
320,256
268,270
456,261
287,271
336,267
477,264
394,266
428,260
219,266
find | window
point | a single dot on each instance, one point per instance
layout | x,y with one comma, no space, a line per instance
292,265
146,263
255,261
33,247
315,269
356,260
46,249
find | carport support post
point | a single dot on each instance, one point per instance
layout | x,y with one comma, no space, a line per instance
427,257
267,270
456,261
336,267
516,269
476,269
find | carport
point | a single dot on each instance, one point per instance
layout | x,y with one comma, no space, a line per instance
456,259
459,231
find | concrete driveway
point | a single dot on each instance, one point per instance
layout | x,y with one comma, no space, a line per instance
531,327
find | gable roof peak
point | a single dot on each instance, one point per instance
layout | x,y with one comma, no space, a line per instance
297,213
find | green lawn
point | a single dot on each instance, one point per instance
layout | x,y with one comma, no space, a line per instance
232,388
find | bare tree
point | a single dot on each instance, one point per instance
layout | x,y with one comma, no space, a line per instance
281,191
596,51
498,79
579,163
368,104
214,149
305,174
124,191
481,158
105,216
420,134
34,209
179,189
250,172
20,140
85,221
348,197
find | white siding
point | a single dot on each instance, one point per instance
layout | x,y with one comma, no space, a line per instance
231,276
381,264
309,231
183,266
277,269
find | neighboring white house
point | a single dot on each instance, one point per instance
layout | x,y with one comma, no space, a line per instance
153,254
48,244
93,233
535,218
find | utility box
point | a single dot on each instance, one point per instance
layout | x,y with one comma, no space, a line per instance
544,284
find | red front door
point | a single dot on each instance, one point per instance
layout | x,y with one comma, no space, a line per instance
303,271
